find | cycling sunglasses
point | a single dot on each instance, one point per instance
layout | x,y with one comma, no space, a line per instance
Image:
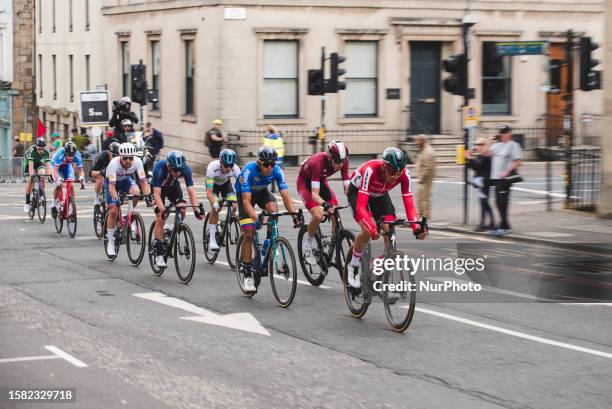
267,164
227,166
394,173
127,158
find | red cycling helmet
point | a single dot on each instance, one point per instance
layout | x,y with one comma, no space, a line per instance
338,151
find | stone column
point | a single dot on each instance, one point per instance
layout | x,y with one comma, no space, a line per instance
605,195
23,64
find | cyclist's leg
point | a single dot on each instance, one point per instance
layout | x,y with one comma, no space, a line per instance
248,229
316,211
214,219
61,173
328,194
383,207
230,195
266,200
113,205
41,171
98,188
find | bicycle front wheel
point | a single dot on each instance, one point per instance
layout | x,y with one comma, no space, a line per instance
399,303
231,240
136,242
184,253
71,219
42,208
59,221
356,302
210,255
314,270
240,270
283,272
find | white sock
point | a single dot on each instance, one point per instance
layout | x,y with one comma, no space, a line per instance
311,240
212,228
53,202
96,199
355,259
110,234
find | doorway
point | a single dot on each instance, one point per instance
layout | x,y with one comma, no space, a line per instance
424,87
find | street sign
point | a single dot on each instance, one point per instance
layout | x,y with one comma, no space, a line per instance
510,48
471,116
94,107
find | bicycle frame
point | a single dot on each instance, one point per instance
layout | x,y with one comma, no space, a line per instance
63,199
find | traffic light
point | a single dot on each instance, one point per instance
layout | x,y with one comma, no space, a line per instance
589,78
139,84
455,65
555,77
315,82
334,84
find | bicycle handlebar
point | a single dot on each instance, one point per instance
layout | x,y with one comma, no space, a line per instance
276,215
173,206
326,215
402,222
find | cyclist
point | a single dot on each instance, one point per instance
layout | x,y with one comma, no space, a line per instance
35,160
119,179
127,131
314,189
62,169
99,170
368,195
218,174
166,174
251,189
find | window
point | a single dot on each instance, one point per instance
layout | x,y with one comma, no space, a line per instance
361,96
54,78
40,76
40,16
87,74
71,73
125,68
53,14
155,70
70,15
496,81
86,15
189,77
280,82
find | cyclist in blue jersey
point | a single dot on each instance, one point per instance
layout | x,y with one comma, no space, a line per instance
62,163
166,174
251,189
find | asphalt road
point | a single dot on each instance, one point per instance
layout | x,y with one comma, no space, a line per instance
123,339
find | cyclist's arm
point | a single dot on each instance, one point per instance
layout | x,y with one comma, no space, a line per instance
112,190
210,183
193,196
315,182
346,178
157,198
288,202
411,212
142,177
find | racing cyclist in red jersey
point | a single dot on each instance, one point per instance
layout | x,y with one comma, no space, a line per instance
314,189
368,195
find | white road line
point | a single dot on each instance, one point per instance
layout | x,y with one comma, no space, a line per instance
516,333
76,362
298,281
29,358
589,304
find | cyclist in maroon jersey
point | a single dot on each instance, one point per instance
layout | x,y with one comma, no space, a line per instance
314,189
368,195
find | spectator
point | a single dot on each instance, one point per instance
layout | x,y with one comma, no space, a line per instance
481,165
214,139
505,160
78,139
274,140
153,138
56,141
18,148
425,172
110,138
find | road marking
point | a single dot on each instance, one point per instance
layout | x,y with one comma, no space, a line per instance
57,354
29,358
516,333
243,321
298,281
589,304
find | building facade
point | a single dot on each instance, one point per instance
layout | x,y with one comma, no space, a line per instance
6,78
604,207
246,63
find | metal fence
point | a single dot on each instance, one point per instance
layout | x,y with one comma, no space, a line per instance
11,170
584,181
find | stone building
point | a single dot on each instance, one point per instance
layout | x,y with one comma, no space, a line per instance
605,195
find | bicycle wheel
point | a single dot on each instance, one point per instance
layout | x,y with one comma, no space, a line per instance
400,303
315,273
210,255
345,240
158,271
135,242
240,270
184,249
41,208
98,220
283,272
71,219
33,204
117,235
356,300
231,240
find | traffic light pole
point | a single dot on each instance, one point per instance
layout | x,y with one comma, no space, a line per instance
466,102
568,124
322,128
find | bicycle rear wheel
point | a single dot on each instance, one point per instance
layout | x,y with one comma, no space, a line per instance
356,299
135,241
33,204
231,239
158,271
315,273
210,255
283,272
117,235
71,219
240,270
184,249
41,208
400,303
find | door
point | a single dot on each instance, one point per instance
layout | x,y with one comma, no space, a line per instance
424,87
556,104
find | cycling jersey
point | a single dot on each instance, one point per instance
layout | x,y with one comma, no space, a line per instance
60,160
32,155
115,172
215,176
318,167
370,181
251,179
162,177
102,161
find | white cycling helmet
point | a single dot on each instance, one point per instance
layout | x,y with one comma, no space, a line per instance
125,100
127,149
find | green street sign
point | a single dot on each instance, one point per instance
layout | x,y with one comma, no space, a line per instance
510,48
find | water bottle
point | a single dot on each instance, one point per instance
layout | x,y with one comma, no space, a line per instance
264,248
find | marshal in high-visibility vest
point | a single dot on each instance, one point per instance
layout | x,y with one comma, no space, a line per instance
274,140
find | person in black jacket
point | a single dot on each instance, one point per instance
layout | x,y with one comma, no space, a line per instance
154,138
481,165
121,111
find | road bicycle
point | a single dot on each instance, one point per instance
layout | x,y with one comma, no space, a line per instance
330,249
99,215
178,244
395,286
129,230
276,257
228,231
38,203
66,208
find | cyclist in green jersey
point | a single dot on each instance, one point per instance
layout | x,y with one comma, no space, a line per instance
36,160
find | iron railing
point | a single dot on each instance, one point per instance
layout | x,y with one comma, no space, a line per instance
584,181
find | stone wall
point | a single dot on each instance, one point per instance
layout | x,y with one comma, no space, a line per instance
23,64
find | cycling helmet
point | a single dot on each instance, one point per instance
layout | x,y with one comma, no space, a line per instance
127,149
227,157
395,158
127,122
41,143
125,100
176,160
114,148
70,148
338,151
267,154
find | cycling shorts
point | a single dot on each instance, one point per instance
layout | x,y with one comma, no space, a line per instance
305,191
260,198
121,186
377,206
225,190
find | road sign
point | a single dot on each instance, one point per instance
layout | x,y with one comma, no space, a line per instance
511,48
471,116
94,107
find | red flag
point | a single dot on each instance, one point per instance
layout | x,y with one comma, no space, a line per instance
41,129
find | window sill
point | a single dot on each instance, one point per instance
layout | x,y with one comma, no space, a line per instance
189,118
155,114
498,118
361,120
281,121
